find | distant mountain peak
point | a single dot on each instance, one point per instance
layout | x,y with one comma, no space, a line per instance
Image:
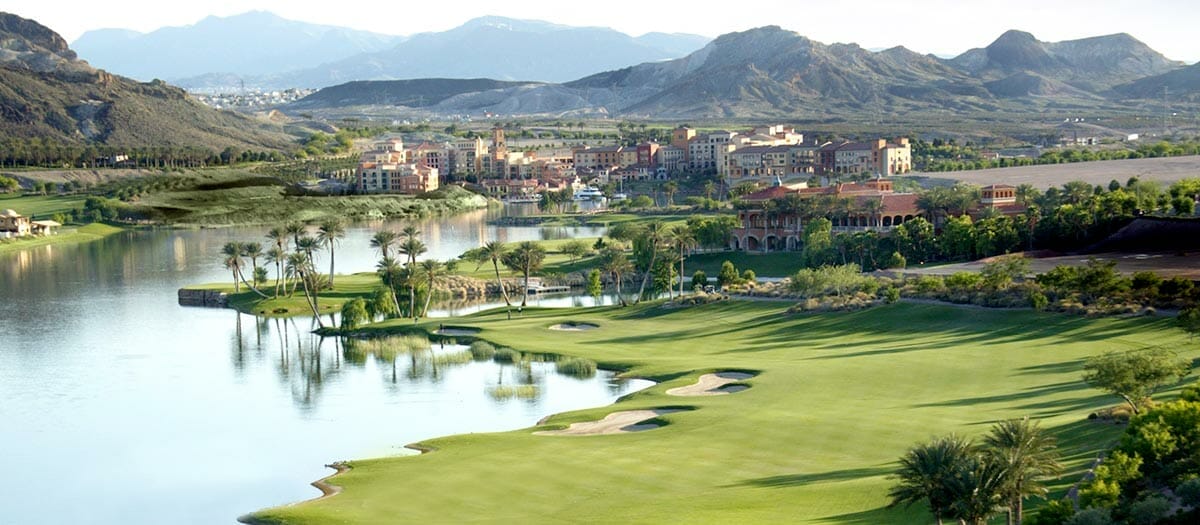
511,24
36,34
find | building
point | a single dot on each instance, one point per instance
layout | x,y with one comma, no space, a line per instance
13,224
466,157
405,178
865,206
877,157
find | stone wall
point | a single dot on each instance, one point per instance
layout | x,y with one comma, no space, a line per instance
207,298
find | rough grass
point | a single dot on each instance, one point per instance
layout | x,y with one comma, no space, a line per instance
41,206
837,399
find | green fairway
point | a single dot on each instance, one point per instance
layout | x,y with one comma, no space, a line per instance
775,264
41,206
346,287
837,399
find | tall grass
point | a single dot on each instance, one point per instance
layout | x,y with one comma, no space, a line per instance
482,350
576,367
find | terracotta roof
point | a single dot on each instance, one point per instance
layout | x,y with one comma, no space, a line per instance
999,187
774,192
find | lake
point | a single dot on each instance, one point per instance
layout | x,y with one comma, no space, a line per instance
119,406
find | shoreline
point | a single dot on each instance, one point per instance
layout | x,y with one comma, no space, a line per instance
82,235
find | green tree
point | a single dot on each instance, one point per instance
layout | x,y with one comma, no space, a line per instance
927,472
682,239
433,272
1135,375
574,249
232,253
354,314
818,243
300,265
383,241
495,252
728,275
392,273
1028,456
526,258
1000,273
651,240
328,234
699,280
670,188
594,286
614,262
383,303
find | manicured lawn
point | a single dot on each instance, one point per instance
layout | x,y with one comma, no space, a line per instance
68,235
345,288
41,206
838,398
775,264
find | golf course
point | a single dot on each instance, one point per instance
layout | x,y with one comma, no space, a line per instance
822,407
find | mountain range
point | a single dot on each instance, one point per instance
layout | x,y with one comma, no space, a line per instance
771,72
47,92
259,49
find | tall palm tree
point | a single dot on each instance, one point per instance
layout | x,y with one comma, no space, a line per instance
279,237
307,245
682,238
709,188
253,250
433,272
301,266
294,229
614,262
494,251
277,256
527,257
975,490
412,247
409,232
232,251
383,241
328,234
389,272
670,188
1029,456
654,234
925,474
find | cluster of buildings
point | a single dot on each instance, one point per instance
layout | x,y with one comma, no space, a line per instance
252,99
13,224
768,223
763,153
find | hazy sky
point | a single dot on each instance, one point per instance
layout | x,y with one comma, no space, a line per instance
944,27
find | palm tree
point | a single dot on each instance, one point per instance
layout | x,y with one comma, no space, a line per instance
526,258
1028,455
410,232
709,188
233,261
328,234
390,272
301,266
975,490
654,234
670,188
307,245
494,251
412,247
277,256
682,238
433,271
383,241
294,229
279,237
925,474
614,262
253,250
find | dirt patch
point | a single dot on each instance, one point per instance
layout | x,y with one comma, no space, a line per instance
712,385
574,327
1167,265
614,423
93,176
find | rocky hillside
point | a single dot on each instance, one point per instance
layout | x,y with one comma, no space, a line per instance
47,92
1182,85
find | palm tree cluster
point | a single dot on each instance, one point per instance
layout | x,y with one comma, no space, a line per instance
406,276
970,483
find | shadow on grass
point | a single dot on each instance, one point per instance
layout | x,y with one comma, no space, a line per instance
792,480
910,514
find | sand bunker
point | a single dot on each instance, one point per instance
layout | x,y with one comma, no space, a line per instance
711,385
614,423
574,327
457,331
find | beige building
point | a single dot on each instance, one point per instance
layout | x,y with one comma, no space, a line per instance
408,178
13,224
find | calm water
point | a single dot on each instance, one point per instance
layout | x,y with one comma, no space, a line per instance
119,406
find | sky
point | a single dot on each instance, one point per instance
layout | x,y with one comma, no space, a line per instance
942,27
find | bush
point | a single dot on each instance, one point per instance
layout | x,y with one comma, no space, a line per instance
699,279
1092,516
1149,511
576,367
506,355
891,295
482,350
749,277
895,261
1038,300
1056,512
964,281
1189,492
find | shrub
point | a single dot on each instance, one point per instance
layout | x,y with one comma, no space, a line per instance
1038,300
929,284
506,355
576,367
1189,492
891,295
895,261
728,275
749,277
1056,512
1149,510
482,350
699,279
1092,516
964,281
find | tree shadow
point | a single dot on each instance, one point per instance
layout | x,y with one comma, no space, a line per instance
791,480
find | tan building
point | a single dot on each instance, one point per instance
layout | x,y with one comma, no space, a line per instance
408,179
13,224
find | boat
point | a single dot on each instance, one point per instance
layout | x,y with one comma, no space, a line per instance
589,193
521,199
619,197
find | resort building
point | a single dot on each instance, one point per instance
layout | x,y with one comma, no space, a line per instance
13,224
773,219
405,178
877,157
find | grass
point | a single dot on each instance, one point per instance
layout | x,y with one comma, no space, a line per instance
345,288
67,236
836,400
41,206
775,264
